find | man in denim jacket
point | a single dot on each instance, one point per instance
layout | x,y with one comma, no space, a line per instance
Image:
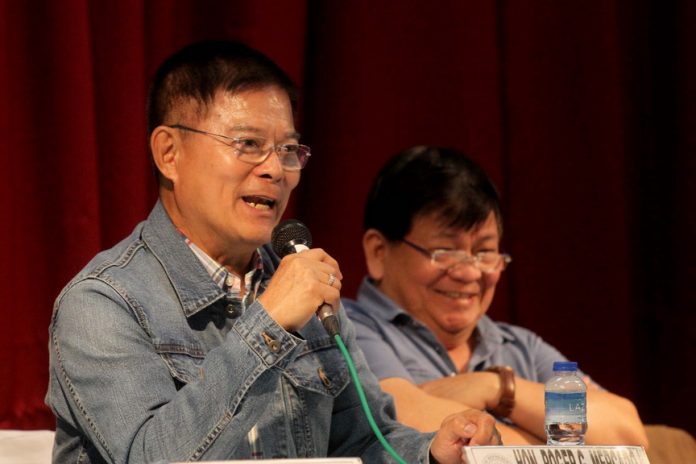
190,339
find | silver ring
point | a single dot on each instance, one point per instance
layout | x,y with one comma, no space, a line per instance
332,279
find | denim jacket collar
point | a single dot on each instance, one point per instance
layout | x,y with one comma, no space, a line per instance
193,285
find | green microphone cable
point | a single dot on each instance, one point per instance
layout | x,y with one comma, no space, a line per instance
363,401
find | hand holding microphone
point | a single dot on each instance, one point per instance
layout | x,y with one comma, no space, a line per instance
307,280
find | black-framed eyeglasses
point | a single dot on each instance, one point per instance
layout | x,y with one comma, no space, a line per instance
485,261
255,150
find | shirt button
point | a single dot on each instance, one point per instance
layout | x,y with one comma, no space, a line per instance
229,281
232,311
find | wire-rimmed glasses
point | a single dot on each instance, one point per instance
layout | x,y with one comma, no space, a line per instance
255,150
485,261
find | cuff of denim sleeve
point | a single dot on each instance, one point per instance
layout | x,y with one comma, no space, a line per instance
271,342
507,387
428,457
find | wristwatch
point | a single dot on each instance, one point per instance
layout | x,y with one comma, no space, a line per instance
507,387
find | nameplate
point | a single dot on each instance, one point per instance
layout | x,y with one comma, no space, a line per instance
555,455
291,461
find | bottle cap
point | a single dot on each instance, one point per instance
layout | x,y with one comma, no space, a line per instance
565,366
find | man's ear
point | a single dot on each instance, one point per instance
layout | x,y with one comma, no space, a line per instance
374,247
165,145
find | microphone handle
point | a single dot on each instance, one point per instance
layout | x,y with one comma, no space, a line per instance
328,319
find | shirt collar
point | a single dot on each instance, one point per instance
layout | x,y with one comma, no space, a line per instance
225,279
231,283
388,309
488,335
190,279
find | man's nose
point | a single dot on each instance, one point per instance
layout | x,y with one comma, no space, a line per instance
465,270
272,165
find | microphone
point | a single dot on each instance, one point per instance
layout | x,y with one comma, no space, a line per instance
292,236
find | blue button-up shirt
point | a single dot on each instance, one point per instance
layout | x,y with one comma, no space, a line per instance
397,345
148,365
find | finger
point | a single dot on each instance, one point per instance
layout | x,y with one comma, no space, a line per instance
328,276
332,295
474,427
317,259
325,277
333,281
455,432
459,427
320,255
486,433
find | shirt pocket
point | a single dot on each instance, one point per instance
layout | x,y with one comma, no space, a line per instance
184,361
320,369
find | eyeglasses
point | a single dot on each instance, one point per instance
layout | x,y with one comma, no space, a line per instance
255,150
485,261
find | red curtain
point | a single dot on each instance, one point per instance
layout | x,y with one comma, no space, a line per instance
583,114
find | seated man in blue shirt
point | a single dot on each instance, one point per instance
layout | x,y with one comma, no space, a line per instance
432,233
191,340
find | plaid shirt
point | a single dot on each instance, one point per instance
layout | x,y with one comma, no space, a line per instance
230,283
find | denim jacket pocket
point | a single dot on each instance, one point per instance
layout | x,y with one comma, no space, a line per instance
184,361
320,369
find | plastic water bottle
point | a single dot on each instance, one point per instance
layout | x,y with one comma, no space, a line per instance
565,399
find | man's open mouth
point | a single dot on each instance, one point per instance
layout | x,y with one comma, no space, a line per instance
259,202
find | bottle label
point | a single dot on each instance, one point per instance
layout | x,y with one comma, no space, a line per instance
565,407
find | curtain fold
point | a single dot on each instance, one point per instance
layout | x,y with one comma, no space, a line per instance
583,114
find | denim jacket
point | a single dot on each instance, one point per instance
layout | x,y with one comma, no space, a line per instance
146,366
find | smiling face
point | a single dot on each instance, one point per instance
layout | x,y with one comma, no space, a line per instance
450,302
226,206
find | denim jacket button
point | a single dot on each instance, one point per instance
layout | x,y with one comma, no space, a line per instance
324,378
232,311
271,342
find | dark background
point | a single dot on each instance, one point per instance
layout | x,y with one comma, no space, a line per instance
583,113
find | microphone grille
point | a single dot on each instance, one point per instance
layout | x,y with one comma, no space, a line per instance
288,233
